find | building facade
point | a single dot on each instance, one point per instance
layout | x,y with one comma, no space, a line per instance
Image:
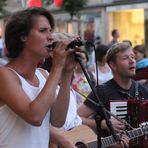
128,16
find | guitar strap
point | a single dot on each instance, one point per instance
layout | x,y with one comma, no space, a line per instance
128,95
137,96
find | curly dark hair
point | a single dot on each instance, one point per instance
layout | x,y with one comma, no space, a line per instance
142,49
19,25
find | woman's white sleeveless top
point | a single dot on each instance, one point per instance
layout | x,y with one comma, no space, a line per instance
17,133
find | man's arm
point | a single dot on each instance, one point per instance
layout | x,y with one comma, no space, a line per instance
85,112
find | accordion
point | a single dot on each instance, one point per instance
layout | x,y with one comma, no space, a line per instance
134,112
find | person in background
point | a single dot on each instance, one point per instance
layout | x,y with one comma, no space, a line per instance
121,60
97,41
79,82
28,100
89,36
141,64
104,72
128,41
3,58
115,36
1,46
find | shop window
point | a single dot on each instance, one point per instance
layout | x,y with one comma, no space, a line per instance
130,23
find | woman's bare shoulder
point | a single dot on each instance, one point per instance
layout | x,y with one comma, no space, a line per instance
7,74
4,71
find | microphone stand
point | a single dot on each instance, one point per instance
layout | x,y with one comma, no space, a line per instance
96,65
108,122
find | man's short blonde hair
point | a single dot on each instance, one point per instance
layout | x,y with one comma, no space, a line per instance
116,48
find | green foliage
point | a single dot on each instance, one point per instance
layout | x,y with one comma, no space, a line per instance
2,4
47,2
73,6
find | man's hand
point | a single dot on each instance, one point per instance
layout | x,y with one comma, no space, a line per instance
123,143
124,140
117,125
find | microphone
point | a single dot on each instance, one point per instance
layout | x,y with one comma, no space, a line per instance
72,44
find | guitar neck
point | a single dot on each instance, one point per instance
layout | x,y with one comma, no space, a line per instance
108,141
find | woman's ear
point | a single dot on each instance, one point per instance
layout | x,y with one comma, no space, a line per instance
23,38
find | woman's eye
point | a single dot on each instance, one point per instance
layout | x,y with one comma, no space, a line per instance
42,30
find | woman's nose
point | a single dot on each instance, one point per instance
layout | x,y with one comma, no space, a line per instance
49,36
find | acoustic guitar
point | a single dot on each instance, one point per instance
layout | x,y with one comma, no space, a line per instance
84,137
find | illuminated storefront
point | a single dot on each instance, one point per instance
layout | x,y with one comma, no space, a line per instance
129,19
130,24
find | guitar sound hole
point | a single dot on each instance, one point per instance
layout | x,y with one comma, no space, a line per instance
80,145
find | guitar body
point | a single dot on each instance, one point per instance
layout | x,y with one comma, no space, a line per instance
81,135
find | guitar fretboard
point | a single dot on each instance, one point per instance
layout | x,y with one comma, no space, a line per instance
108,141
